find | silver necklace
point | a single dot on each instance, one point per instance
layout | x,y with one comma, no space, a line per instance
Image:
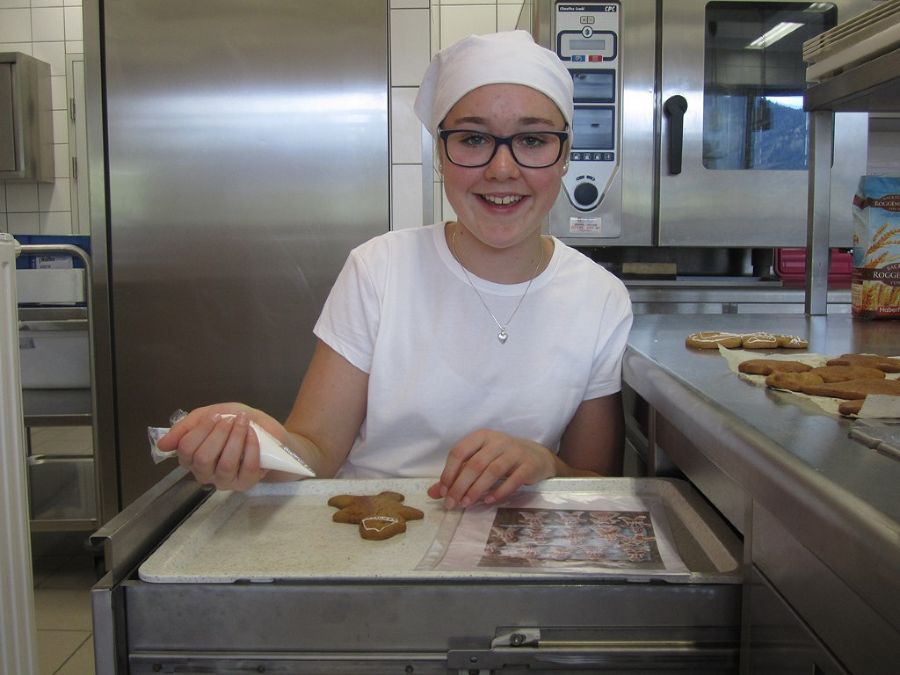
503,334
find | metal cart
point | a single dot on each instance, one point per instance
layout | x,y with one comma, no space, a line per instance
63,488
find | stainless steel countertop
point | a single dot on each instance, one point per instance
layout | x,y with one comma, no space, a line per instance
840,499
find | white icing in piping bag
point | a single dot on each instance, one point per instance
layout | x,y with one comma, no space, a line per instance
272,453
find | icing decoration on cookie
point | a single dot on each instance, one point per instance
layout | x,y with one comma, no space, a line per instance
759,341
381,526
711,339
792,342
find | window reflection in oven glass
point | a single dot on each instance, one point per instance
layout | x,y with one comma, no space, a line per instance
754,79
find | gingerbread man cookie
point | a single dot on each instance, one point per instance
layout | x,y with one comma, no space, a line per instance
845,373
379,516
759,341
769,366
852,407
883,363
854,390
711,339
792,342
792,381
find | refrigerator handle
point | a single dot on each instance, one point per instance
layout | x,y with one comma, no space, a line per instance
674,108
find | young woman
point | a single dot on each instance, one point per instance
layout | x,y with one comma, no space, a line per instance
477,351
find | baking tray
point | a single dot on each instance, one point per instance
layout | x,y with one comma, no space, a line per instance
284,531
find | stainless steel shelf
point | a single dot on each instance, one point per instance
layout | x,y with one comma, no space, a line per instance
44,313
57,407
873,86
61,487
62,495
64,489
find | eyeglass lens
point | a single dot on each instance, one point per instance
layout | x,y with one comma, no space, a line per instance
530,149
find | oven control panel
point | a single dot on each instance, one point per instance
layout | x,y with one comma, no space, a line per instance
587,41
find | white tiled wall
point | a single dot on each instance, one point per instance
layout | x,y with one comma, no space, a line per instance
410,53
49,30
452,20
420,28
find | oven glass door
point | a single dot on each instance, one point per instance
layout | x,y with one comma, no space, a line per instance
734,156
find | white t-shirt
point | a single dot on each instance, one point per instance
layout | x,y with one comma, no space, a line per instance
403,311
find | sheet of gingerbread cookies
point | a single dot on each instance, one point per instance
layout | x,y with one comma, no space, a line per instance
843,385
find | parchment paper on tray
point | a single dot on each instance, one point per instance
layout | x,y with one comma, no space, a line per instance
876,407
561,531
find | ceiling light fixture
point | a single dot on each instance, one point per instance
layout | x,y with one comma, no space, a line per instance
773,35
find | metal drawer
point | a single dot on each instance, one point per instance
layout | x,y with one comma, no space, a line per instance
409,620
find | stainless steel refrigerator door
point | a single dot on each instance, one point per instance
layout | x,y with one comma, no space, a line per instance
247,150
703,206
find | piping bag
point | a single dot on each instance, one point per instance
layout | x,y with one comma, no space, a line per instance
272,453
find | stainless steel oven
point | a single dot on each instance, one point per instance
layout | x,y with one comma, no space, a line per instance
689,129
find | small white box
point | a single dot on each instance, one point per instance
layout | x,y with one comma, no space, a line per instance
50,286
54,359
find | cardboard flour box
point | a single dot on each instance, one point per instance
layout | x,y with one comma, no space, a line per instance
875,286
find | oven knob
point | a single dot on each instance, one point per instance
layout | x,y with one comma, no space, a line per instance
586,194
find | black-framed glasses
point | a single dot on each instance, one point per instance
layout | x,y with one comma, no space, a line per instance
530,149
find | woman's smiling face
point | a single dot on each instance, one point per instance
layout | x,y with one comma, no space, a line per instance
503,204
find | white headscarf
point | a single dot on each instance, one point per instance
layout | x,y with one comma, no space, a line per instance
497,58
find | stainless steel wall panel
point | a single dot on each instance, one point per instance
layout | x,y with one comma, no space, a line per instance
247,153
104,392
639,120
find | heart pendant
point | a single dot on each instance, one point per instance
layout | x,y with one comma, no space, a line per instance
503,336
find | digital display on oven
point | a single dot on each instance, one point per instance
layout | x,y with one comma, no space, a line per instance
594,128
598,45
594,86
587,45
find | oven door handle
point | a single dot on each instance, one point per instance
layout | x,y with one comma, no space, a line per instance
674,108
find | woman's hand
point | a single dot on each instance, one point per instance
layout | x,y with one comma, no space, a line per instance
491,465
217,445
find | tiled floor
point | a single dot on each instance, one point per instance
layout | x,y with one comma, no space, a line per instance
63,575
64,571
